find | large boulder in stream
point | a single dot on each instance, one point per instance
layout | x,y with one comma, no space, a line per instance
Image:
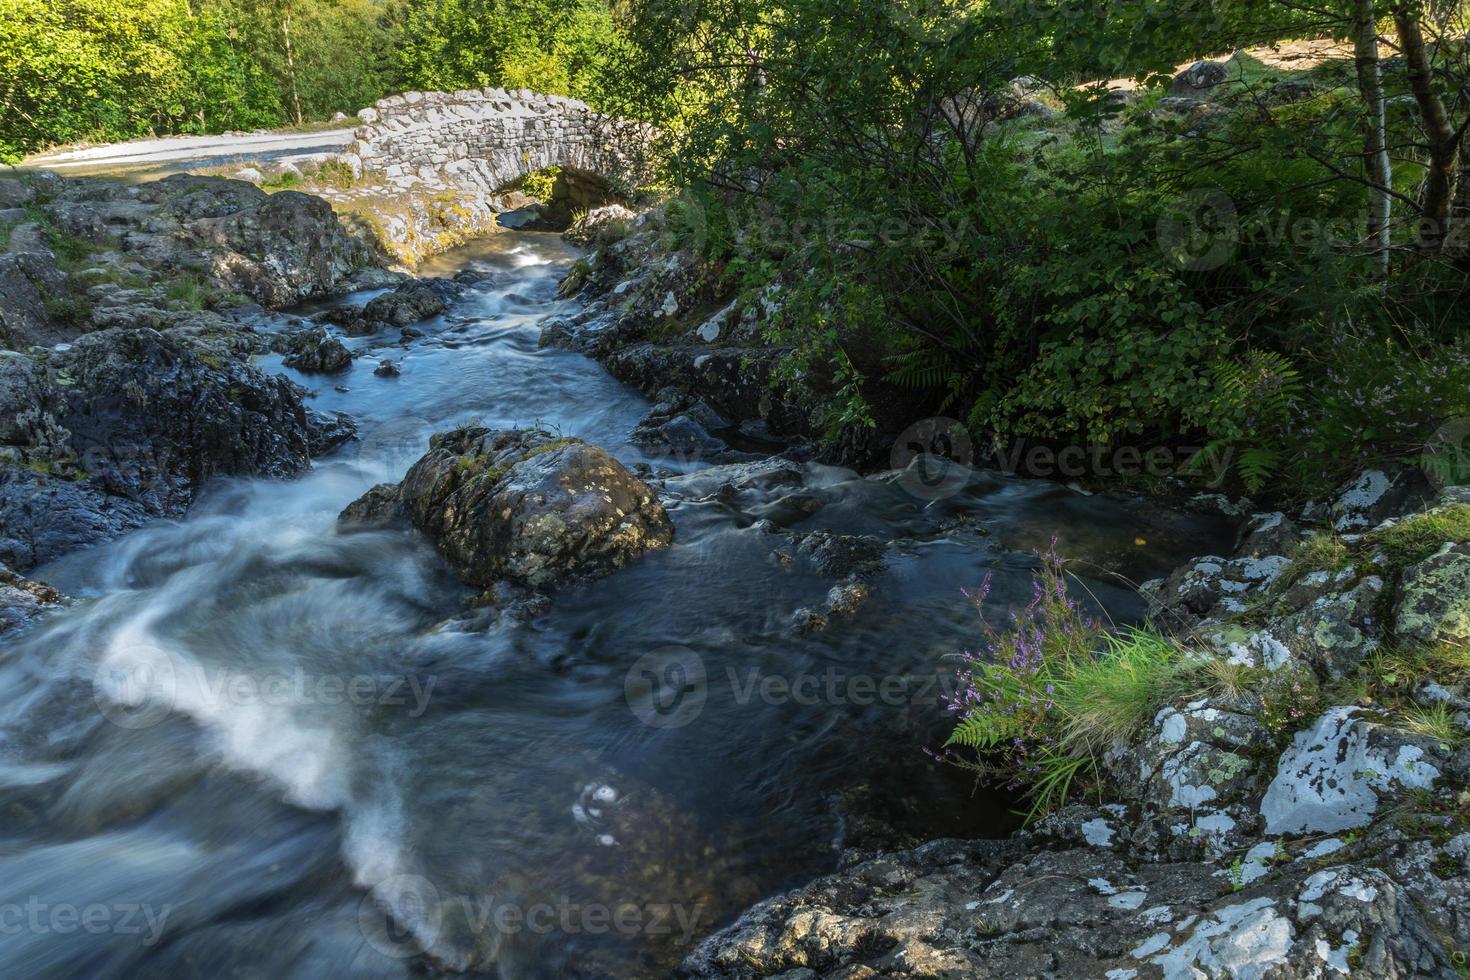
315,351
410,303
521,505
128,425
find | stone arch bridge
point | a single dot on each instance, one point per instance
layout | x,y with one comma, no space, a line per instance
482,140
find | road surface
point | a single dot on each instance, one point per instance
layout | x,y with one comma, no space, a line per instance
157,157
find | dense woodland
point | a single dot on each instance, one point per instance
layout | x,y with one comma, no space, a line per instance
954,202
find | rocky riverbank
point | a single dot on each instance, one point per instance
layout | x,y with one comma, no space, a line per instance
1307,815
1307,818
128,314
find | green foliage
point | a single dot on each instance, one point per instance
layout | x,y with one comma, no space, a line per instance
189,292
1252,396
540,184
555,47
1077,278
1114,694
119,69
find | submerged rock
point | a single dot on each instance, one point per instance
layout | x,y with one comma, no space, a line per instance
522,505
411,302
407,304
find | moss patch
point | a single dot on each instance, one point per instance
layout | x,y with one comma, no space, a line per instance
1416,538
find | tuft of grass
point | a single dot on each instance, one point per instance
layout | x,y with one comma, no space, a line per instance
286,180
549,447
1054,690
1217,675
1318,553
1436,721
189,293
334,173
1114,693
1416,538
1447,661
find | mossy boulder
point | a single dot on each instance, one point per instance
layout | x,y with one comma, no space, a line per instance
521,505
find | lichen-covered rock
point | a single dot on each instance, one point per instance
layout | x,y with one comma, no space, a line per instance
522,505
1268,534
1335,632
1212,588
953,909
30,286
1437,877
282,249
1377,495
1434,599
1198,758
1334,774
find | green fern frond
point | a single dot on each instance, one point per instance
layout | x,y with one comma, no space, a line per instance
1256,465
924,368
977,732
1262,384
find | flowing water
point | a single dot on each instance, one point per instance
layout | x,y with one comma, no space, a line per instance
256,747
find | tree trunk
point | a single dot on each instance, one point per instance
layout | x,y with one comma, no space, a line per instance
291,66
1375,134
1457,245
1444,143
